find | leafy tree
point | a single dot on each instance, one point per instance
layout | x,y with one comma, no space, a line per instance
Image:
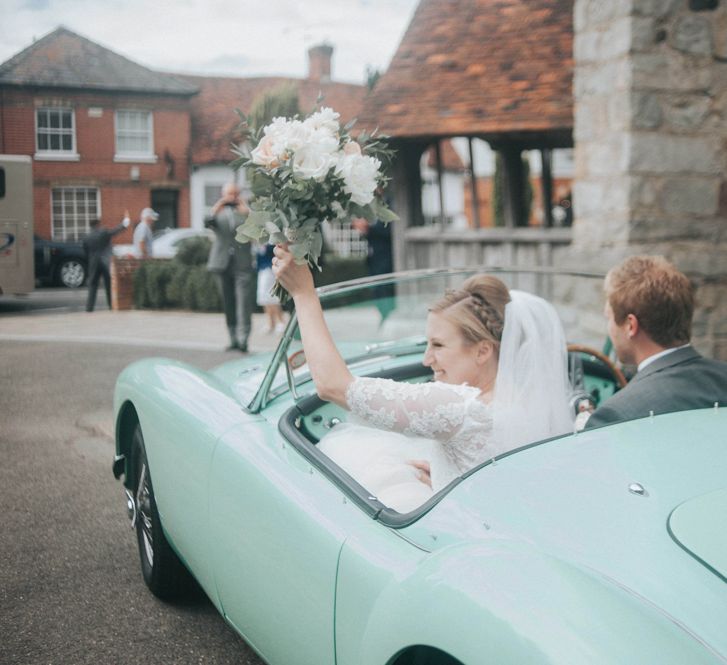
281,100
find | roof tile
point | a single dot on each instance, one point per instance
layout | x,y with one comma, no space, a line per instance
478,67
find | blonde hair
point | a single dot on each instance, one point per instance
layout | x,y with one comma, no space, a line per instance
477,308
657,294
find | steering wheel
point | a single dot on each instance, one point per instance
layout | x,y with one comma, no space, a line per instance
617,374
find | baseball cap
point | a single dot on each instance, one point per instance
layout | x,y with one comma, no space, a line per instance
149,212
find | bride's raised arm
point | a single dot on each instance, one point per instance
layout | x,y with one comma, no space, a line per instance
328,369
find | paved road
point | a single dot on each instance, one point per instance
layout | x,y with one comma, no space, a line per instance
51,300
70,587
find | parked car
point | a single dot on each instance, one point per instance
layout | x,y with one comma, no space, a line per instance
604,546
59,263
166,242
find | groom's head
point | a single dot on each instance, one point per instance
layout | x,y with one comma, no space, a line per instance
649,303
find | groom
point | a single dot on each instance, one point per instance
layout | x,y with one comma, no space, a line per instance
649,308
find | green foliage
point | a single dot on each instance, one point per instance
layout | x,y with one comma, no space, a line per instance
173,284
193,251
372,77
281,101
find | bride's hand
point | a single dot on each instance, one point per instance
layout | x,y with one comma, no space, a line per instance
425,470
296,279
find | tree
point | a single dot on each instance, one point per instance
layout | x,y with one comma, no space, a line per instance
281,100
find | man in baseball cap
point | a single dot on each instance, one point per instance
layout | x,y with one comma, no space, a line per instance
143,238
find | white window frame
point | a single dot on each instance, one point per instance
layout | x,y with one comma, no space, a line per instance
130,155
71,220
49,153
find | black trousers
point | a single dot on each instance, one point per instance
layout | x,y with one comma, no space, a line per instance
96,272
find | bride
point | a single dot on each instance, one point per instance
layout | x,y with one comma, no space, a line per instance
500,369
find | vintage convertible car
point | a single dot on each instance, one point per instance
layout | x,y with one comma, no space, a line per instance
605,546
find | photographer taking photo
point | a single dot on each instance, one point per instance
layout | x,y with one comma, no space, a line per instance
232,265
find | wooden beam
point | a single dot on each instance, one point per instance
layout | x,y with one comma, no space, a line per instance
473,183
440,183
546,186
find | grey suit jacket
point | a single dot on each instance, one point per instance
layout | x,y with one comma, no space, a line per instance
225,248
679,381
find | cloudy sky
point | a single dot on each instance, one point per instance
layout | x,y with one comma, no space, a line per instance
240,37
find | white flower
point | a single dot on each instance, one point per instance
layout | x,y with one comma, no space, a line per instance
359,174
265,154
326,119
316,157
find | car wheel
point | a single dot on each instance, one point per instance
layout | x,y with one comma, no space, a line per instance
71,273
163,572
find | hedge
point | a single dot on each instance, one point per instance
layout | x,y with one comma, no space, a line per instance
185,283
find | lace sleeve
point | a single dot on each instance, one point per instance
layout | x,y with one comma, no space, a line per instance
432,410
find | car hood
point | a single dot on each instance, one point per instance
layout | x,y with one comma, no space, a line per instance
633,504
244,376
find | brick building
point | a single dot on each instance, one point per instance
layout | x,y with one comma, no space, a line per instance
105,134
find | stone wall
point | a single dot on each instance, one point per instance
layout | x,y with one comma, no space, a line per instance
651,143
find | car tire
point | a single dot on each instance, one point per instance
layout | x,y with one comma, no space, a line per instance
163,572
71,273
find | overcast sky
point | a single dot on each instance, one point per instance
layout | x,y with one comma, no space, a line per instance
238,38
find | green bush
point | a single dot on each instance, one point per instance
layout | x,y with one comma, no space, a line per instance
193,251
185,283
172,284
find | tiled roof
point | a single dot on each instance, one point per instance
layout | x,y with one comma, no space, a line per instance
479,67
215,123
63,59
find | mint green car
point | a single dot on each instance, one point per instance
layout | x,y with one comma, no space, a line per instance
606,546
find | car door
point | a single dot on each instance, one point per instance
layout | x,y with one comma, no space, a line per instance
277,532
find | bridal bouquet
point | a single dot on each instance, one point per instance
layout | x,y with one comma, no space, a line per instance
303,172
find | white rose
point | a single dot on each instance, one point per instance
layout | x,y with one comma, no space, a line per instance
326,119
265,154
359,174
352,148
315,158
297,135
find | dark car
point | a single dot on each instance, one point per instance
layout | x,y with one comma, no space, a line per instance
59,263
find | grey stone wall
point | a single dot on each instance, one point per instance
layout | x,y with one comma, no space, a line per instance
651,143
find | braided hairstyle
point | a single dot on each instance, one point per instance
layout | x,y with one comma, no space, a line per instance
477,308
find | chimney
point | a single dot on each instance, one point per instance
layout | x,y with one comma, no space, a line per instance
319,63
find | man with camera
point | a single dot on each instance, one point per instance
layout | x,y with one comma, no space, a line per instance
232,265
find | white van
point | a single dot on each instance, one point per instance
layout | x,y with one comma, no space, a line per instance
17,273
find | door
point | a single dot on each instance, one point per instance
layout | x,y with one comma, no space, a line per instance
277,529
164,201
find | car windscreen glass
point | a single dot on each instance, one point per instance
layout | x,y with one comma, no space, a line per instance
375,321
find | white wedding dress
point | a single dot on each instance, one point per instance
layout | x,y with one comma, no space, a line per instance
447,425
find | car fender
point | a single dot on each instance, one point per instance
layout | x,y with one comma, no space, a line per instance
183,412
502,601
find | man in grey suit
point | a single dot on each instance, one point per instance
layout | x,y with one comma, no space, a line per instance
649,308
232,265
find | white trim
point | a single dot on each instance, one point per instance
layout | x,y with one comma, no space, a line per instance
140,159
59,156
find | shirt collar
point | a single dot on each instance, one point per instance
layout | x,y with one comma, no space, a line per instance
647,361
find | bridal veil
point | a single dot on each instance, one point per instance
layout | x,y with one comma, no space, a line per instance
531,389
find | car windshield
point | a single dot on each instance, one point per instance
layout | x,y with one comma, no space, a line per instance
378,324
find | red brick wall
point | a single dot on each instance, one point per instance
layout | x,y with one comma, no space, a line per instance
95,143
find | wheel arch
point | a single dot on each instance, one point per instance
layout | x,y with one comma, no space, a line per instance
423,654
126,423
